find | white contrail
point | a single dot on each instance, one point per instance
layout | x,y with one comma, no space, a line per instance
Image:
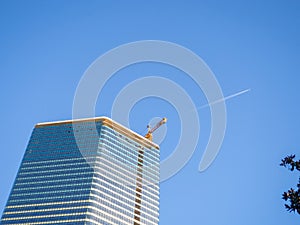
224,99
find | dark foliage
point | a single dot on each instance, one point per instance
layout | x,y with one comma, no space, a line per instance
292,196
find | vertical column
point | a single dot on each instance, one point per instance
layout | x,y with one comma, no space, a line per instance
138,190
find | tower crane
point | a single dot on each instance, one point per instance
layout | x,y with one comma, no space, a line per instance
151,130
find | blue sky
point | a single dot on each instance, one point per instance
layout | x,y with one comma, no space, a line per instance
45,47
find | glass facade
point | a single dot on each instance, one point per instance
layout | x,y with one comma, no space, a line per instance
97,172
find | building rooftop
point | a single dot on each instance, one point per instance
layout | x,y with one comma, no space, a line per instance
106,122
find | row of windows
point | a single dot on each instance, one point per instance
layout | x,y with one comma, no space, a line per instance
63,139
53,187
51,192
72,154
46,204
44,199
54,176
27,198
48,165
56,162
53,182
57,147
51,170
47,218
64,222
43,212
48,195
54,150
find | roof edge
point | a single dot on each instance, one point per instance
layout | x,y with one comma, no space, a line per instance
106,122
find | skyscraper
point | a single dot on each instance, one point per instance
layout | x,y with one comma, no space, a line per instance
87,171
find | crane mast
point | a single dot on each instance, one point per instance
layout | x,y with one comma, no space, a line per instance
151,130
139,175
